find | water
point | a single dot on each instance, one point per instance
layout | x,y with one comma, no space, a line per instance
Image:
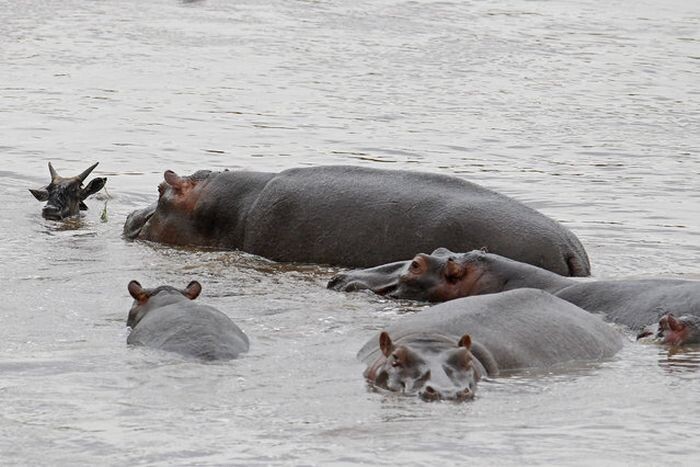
588,111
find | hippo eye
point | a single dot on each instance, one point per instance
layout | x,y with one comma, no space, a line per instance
415,265
395,361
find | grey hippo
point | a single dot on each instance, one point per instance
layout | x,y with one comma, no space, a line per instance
64,196
441,353
444,275
167,318
350,216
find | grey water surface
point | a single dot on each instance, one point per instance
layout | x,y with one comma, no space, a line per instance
587,110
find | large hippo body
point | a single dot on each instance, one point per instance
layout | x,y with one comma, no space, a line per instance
515,330
351,216
445,275
168,320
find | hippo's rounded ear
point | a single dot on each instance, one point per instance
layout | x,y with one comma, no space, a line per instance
385,343
137,292
465,341
453,270
193,290
173,179
674,323
41,194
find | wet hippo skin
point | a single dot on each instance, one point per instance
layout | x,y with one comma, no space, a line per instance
350,216
166,318
445,275
441,353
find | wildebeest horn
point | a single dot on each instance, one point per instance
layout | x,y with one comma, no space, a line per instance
87,171
52,171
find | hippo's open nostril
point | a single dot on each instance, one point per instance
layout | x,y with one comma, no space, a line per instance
429,393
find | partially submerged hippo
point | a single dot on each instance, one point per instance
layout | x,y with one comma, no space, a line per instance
166,318
350,216
445,275
64,196
684,330
443,352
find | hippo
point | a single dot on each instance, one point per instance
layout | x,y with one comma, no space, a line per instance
166,318
350,216
684,330
64,196
445,275
442,353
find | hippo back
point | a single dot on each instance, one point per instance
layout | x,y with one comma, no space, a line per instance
190,329
361,217
636,303
523,328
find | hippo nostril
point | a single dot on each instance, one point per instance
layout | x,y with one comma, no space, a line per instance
429,393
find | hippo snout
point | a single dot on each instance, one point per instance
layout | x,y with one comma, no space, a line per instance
136,221
430,394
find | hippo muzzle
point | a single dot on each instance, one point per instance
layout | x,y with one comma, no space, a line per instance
136,221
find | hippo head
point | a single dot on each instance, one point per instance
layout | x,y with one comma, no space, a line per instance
148,299
168,221
431,368
440,276
675,331
64,196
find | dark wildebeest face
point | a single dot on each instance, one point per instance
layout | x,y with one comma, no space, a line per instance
64,196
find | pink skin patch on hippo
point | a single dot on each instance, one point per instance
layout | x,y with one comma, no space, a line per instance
673,330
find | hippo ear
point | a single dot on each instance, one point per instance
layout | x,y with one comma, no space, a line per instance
193,290
674,323
173,179
137,292
465,341
385,343
41,194
453,271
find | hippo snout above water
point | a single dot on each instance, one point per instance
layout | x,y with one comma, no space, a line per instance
166,318
350,216
64,196
675,331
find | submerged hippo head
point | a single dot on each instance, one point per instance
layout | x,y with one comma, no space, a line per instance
430,367
674,331
148,299
440,276
169,220
64,196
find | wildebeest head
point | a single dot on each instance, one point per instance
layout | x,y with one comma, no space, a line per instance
64,196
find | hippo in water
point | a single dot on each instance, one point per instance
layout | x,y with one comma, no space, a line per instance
684,330
443,352
166,318
445,275
64,196
350,216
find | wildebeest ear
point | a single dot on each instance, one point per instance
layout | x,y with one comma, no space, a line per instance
136,291
193,290
93,187
385,343
41,194
465,341
173,179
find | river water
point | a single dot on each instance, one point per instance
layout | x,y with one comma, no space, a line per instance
586,110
